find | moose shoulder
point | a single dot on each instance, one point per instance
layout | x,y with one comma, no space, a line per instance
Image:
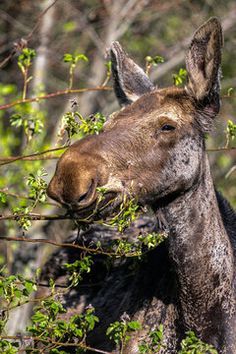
154,150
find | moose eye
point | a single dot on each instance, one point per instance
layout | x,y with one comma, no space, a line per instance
167,128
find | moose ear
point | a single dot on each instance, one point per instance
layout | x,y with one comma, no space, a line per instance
130,81
203,63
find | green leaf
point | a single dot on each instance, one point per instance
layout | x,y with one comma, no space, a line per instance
38,317
154,60
7,89
134,325
231,129
73,59
81,57
68,58
26,57
69,26
30,286
180,77
3,197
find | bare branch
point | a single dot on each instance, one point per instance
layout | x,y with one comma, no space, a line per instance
31,156
54,94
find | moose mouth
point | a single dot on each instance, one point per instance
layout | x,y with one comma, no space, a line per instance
99,209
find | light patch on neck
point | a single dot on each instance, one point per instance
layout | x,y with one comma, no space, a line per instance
113,185
132,96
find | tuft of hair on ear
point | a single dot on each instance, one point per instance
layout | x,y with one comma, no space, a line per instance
129,81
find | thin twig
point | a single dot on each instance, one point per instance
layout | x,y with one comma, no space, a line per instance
221,149
33,216
54,94
39,157
11,159
57,244
61,344
230,171
76,246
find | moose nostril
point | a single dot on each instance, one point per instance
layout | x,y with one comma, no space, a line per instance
82,197
87,197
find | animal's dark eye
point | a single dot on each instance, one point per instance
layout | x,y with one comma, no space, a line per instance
167,128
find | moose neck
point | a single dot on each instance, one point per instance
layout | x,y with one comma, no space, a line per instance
202,255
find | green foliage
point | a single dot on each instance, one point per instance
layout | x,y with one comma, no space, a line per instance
92,124
192,345
154,342
147,242
77,268
118,331
47,324
74,123
153,61
44,317
124,248
180,77
7,89
31,126
22,217
24,63
70,125
37,193
230,132
14,291
29,118
37,186
3,197
25,58
152,240
73,60
8,348
70,26
125,216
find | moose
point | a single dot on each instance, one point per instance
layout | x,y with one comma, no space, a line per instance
154,149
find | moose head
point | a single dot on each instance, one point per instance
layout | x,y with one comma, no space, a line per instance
153,148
